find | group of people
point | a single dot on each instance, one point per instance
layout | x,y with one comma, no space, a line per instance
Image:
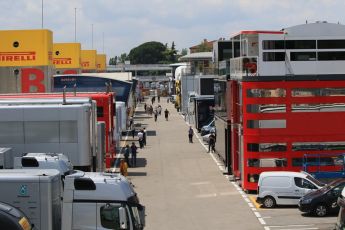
125,163
211,139
142,137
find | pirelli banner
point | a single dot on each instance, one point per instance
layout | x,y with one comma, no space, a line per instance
88,61
26,61
67,58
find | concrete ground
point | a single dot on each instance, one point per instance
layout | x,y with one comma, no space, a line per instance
180,184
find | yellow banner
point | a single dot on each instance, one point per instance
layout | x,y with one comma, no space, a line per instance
67,55
88,59
26,48
101,63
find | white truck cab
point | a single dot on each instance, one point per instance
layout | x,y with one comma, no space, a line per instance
93,201
111,195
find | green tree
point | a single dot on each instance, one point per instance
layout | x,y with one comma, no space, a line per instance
184,51
147,53
113,61
203,47
123,57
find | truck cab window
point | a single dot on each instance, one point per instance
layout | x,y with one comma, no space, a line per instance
110,217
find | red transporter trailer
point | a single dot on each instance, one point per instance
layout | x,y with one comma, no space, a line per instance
105,112
292,104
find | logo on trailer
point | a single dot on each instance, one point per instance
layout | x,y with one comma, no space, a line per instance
23,191
62,61
85,64
17,56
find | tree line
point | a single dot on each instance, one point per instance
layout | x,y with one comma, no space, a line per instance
154,53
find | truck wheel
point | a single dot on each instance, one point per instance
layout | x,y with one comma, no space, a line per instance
320,210
269,202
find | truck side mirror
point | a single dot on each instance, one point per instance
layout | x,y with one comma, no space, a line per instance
123,218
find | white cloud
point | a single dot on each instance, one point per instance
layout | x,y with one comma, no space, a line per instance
128,23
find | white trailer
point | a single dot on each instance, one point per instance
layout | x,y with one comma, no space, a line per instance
49,128
34,100
92,201
121,107
6,158
121,121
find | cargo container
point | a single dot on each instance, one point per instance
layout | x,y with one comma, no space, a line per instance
49,128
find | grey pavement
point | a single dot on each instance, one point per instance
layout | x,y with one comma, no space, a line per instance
180,184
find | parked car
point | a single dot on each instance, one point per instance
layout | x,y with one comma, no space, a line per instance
324,200
206,129
284,188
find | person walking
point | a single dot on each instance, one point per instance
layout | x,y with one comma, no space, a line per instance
145,108
126,155
130,122
140,138
166,114
133,132
211,142
123,167
134,154
159,98
144,136
159,110
156,115
190,134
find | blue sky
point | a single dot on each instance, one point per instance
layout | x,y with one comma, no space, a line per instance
129,23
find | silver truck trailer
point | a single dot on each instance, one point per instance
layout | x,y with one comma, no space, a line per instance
45,99
61,128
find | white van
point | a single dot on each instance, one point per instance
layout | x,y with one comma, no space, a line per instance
284,188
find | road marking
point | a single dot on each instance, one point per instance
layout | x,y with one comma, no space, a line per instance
261,221
201,183
291,227
257,205
206,195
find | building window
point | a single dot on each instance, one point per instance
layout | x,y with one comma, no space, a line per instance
313,92
313,161
303,56
300,44
330,107
266,147
266,124
273,56
273,45
267,162
268,108
278,92
318,146
331,44
331,56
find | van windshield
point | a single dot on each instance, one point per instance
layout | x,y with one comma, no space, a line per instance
317,182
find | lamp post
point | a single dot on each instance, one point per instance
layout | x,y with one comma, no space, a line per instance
75,24
92,36
103,41
42,14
